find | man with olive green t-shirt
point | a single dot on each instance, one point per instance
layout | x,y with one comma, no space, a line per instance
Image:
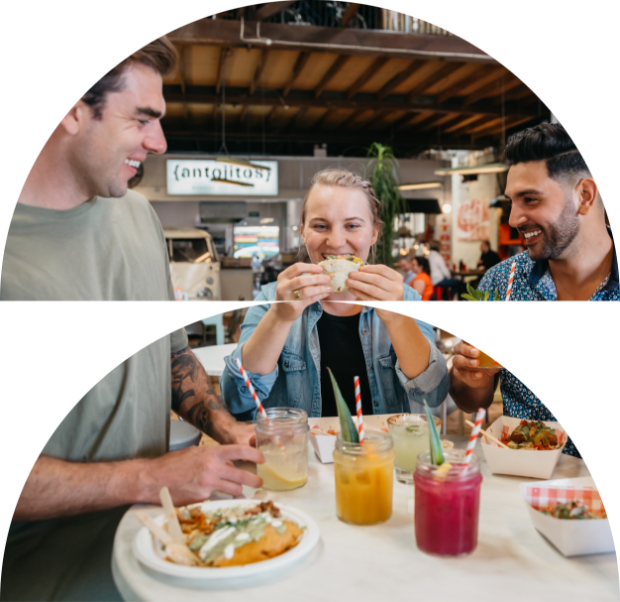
109,451
77,233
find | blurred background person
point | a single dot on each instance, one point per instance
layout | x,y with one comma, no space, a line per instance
405,265
422,281
489,258
441,276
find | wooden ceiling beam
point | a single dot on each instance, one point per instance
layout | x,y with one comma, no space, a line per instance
335,68
298,118
482,122
271,114
349,13
504,83
337,100
463,124
344,40
260,67
433,79
517,93
361,137
321,121
300,63
364,77
403,120
377,119
271,9
242,114
351,118
443,120
420,125
399,78
221,69
480,73
498,128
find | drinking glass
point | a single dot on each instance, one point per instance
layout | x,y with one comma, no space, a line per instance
447,504
364,479
282,436
410,434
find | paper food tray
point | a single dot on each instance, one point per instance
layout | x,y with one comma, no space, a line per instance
534,463
570,537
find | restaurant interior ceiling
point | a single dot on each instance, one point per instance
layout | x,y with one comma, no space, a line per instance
285,77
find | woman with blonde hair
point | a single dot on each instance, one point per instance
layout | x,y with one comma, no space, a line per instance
286,347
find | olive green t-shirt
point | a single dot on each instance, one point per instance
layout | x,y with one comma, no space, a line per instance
101,250
126,415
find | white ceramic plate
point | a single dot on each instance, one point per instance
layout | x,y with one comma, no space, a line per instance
148,554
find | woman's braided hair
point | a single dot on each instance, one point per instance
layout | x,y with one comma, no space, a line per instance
346,179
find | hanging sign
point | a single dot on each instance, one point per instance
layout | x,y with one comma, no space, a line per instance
205,177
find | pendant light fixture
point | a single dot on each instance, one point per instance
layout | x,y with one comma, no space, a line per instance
223,154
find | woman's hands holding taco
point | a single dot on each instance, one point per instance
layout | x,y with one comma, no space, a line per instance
377,283
300,285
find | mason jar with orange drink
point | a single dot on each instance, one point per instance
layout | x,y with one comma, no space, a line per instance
364,479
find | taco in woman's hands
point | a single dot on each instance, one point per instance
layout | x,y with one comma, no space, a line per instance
338,268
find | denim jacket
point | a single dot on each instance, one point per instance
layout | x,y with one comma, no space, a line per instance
295,381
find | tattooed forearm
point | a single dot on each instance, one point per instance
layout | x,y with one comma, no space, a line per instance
193,396
184,371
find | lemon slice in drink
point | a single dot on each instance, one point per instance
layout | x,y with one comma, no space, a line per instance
278,482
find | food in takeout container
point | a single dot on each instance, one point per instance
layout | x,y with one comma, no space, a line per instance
534,463
338,268
237,535
323,441
585,531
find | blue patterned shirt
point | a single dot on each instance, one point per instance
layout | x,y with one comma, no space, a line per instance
533,281
520,402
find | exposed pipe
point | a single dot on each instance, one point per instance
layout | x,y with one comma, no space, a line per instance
344,47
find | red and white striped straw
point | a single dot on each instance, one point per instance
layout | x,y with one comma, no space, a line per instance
474,434
358,408
248,384
512,275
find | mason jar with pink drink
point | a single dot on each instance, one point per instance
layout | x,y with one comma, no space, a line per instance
447,504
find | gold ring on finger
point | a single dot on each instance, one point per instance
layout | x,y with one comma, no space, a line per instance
297,295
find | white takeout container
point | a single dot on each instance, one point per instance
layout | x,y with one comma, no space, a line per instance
324,444
534,463
570,537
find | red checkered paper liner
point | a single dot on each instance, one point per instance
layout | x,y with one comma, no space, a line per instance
540,498
562,438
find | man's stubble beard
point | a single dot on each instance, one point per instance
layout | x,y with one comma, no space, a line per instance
560,235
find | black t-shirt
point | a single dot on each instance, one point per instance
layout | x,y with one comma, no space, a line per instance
489,259
342,353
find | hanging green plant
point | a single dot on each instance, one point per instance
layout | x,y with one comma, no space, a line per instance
382,170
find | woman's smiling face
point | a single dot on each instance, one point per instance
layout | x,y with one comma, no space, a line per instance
338,221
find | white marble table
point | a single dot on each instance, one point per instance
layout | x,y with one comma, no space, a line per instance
512,561
212,357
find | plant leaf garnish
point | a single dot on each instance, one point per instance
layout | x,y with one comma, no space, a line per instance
348,431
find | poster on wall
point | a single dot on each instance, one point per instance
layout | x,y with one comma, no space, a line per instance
473,221
443,235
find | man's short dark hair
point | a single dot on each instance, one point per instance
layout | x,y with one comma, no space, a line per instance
160,55
547,142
